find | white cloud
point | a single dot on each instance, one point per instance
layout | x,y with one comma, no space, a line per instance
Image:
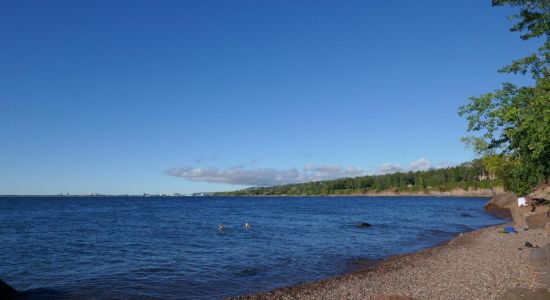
389,168
239,175
248,176
420,165
445,164
315,173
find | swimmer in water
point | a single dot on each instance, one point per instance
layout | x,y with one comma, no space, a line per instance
220,227
247,226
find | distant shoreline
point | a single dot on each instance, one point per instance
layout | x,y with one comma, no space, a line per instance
485,193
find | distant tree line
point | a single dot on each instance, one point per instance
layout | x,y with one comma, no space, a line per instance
468,175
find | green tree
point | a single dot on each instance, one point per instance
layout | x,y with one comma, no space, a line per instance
515,121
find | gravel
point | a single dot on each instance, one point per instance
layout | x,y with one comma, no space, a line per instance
481,264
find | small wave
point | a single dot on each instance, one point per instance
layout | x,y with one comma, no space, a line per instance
42,294
432,235
358,263
437,232
157,270
465,228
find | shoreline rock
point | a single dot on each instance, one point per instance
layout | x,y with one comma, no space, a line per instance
505,205
363,225
6,291
502,204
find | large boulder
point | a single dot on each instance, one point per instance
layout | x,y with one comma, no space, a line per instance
6,291
501,204
537,220
540,216
518,293
540,257
505,205
526,217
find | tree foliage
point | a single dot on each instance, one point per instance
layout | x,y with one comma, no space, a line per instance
533,22
513,122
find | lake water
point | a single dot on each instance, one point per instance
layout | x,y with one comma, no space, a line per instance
169,248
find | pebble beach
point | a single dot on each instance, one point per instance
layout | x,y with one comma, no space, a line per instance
482,264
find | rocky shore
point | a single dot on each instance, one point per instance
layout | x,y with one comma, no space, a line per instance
537,215
484,264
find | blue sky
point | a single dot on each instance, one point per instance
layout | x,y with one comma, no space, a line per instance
188,96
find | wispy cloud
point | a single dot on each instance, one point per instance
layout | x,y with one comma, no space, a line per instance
420,165
313,172
389,168
444,164
239,175
246,175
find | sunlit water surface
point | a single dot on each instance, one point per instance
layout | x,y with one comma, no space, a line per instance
169,248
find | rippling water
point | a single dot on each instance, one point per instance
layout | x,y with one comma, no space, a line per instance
169,248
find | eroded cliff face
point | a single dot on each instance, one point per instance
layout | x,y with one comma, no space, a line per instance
541,192
7,292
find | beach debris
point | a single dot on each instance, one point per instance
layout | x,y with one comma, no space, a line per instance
522,201
363,225
528,245
247,226
508,229
6,291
